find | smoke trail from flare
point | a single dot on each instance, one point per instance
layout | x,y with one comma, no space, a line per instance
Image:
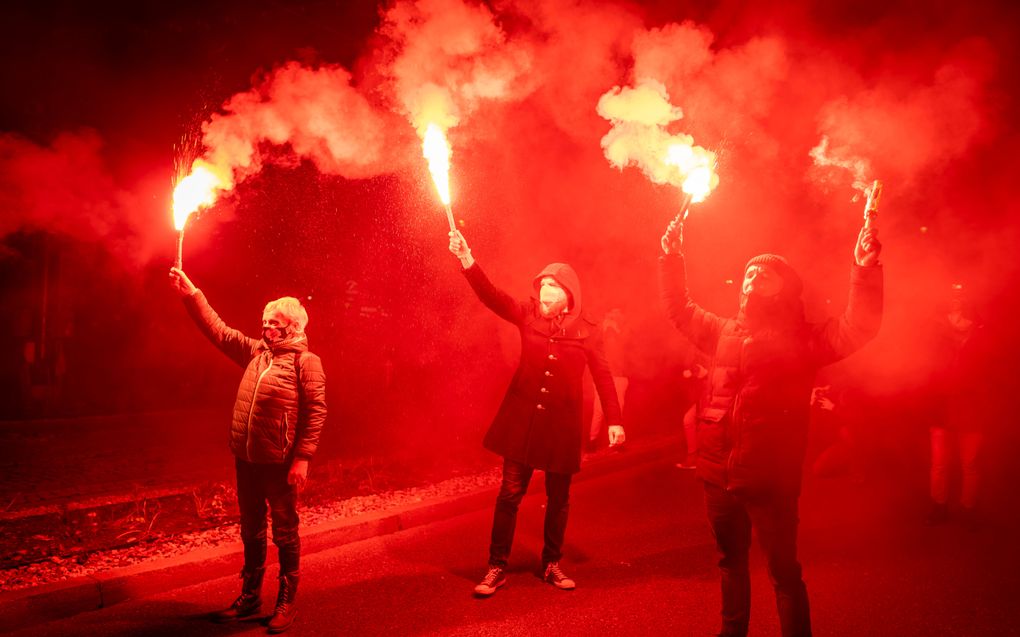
197,190
314,111
858,167
639,137
444,58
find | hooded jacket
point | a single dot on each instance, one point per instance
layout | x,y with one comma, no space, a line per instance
280,408
539,421
753,416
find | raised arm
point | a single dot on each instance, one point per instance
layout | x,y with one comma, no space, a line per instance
700,326
504,305
231,342
839,337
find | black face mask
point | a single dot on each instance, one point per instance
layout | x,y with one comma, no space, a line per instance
273,334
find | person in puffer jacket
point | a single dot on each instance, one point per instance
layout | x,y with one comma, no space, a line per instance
752,423
279,414
539,425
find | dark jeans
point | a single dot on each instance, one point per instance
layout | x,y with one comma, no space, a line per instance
774,517
262,488
516,477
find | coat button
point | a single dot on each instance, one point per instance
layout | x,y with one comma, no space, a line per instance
552,357
544,390
540,407
548,373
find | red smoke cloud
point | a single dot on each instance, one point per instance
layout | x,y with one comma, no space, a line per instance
922,103
766,100
67,188
519,83
314,111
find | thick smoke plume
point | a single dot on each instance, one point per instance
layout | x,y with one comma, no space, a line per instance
316,113
641,116
445,58
66,188
908,127
793,108
770,97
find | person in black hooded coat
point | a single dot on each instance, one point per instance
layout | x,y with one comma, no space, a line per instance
539,423
752,422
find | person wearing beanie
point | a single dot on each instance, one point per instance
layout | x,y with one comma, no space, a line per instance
752,422
539,424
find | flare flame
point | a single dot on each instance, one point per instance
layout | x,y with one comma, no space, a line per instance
437,151
197,190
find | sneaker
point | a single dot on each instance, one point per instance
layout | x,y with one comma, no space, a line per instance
495,578
555,576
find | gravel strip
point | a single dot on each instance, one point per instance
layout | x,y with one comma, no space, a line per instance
57,569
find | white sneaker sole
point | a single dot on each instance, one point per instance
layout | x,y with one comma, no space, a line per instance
487,591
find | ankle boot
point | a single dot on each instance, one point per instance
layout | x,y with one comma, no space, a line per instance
283,616
250,600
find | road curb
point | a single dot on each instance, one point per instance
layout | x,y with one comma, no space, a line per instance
60,600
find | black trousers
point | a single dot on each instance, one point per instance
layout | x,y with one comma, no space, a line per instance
263,488
516,477
774,517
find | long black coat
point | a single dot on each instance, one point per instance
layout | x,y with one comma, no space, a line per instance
753,416
539,421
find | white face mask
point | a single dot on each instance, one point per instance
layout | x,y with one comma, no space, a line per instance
552,297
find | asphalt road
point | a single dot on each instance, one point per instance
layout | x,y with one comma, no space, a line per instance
640,550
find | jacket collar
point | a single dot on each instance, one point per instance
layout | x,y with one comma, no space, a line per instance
296,343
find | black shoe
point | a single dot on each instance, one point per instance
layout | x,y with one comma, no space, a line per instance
495,578
285,611
249,602
555,576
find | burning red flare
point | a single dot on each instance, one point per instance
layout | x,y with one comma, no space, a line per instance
197,190
437,151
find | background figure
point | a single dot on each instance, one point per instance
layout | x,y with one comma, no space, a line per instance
694,385
834,420
962,399
616,337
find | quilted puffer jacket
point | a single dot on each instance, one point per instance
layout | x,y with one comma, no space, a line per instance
280,408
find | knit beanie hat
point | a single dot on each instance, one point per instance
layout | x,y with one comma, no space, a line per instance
792,284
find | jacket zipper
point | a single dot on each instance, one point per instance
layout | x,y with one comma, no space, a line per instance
251,407
286,432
